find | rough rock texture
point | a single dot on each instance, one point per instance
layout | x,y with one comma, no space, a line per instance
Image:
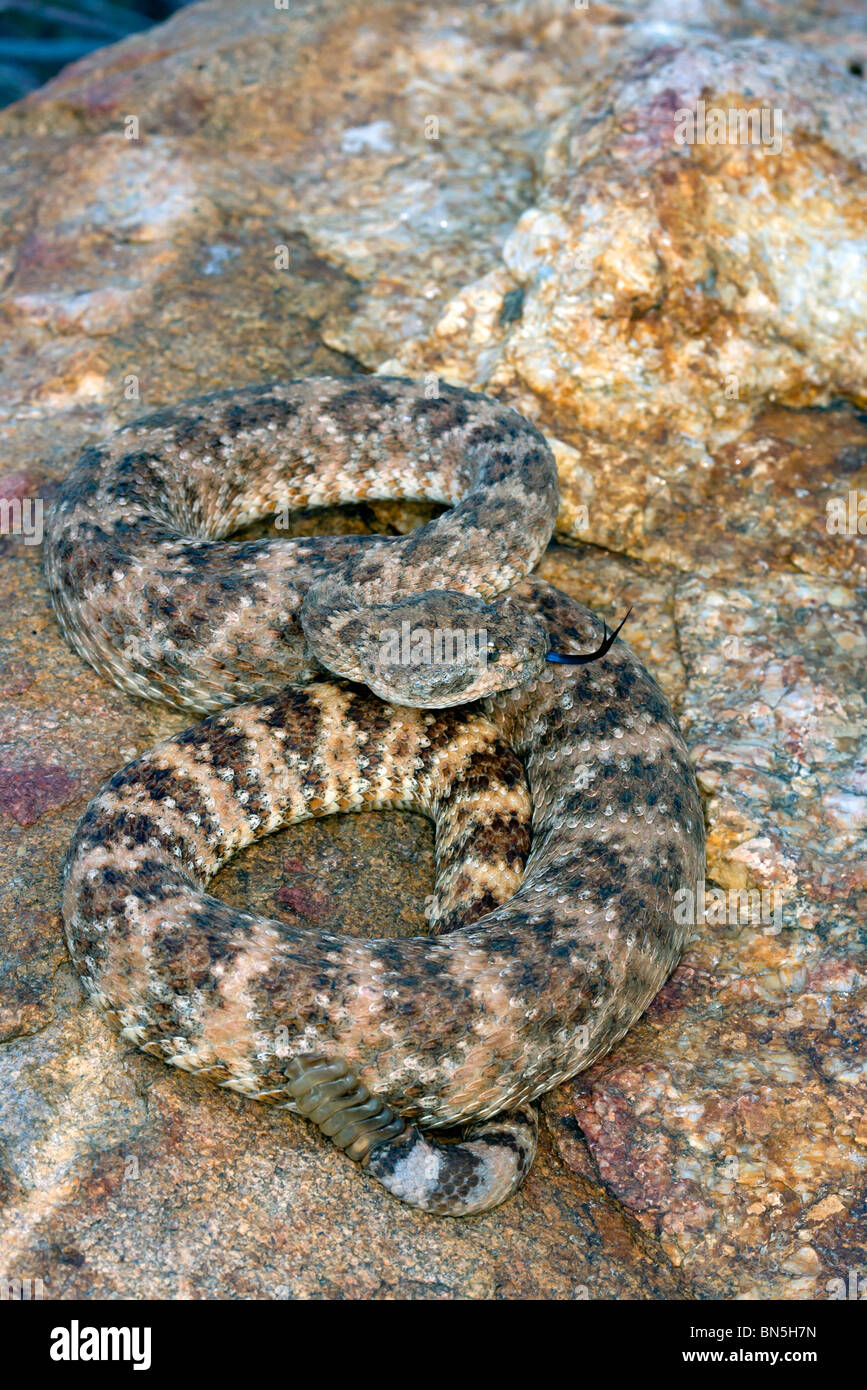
493,192
659,293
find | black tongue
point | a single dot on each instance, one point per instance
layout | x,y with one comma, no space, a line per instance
568,659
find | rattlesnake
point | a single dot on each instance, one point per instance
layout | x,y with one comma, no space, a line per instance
566,812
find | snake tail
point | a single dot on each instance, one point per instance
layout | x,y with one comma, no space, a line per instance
449,1179
463,1178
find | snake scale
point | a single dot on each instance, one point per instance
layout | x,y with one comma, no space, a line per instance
565,809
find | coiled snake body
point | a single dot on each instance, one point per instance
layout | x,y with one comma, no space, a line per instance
566,813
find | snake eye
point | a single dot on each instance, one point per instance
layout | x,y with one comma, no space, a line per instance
492,653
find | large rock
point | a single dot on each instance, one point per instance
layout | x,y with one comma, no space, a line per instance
672,279
493,193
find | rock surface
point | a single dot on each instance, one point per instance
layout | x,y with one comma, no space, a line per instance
493,193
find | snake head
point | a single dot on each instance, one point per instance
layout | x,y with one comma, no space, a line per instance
433,650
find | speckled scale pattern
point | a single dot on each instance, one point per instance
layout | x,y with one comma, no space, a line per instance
566,817
147,589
